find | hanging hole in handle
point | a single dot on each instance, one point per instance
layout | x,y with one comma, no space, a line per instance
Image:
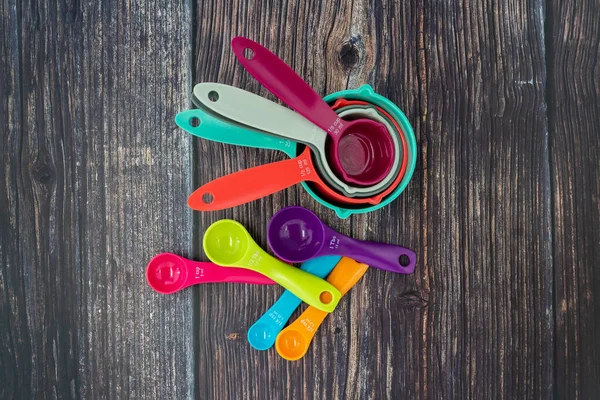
195,122
248,53
325,297
213,96
207,198
404,260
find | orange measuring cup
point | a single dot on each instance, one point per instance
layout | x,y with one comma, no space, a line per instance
293,342
254,183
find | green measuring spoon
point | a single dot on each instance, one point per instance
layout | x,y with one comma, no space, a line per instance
228,244
203,124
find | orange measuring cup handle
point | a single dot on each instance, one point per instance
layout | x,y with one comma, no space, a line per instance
250,184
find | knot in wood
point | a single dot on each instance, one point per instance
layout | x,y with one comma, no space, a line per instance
43,171
349,54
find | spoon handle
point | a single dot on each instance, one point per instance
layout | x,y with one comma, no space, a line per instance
310,288
383,256
343,277
231,275
251,184
281,80
204,124
247,108
263,332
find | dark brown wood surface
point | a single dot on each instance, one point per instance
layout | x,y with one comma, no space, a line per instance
574,116
94,171
503,209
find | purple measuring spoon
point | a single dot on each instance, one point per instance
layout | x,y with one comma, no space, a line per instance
360,151
296,234
169,273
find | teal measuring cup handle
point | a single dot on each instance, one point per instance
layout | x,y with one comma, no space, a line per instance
262,333
204,124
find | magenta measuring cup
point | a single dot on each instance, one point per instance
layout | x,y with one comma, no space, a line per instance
296,234
168,273
361,151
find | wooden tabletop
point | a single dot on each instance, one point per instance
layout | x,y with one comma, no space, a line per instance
503,209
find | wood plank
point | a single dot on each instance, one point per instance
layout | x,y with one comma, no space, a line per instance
95,176
575,144
476,319
478,208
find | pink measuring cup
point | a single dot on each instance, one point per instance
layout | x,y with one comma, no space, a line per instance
361,152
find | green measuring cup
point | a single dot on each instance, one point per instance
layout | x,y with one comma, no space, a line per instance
227,243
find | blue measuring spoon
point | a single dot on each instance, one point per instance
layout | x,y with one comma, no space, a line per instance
263,333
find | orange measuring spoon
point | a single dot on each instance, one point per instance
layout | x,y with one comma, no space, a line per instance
254,183
293,342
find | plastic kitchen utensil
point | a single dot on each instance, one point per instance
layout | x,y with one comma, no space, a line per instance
342,104
363,94
169,273
254,183
293,342
243,107
228,243
247,109
204,124
296,234
262,334
361,151
366,93
369,113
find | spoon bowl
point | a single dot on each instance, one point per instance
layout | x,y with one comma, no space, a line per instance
262,336
226,244
166,273
291,345
296,238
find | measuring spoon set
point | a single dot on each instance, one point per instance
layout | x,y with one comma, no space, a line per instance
331,264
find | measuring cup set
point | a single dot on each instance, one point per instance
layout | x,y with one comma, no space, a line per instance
295,235
353,151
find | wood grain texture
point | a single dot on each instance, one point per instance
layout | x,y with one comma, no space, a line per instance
502,210
94,180
575,131
476,319
489,331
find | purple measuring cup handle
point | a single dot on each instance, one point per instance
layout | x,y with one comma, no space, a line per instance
281,80
383,256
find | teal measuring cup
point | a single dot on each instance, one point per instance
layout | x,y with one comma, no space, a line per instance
202,123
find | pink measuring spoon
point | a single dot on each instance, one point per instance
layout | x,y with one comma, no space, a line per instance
169,273
361,151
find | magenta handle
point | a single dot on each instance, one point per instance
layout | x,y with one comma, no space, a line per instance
281,80
208,272
383,256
